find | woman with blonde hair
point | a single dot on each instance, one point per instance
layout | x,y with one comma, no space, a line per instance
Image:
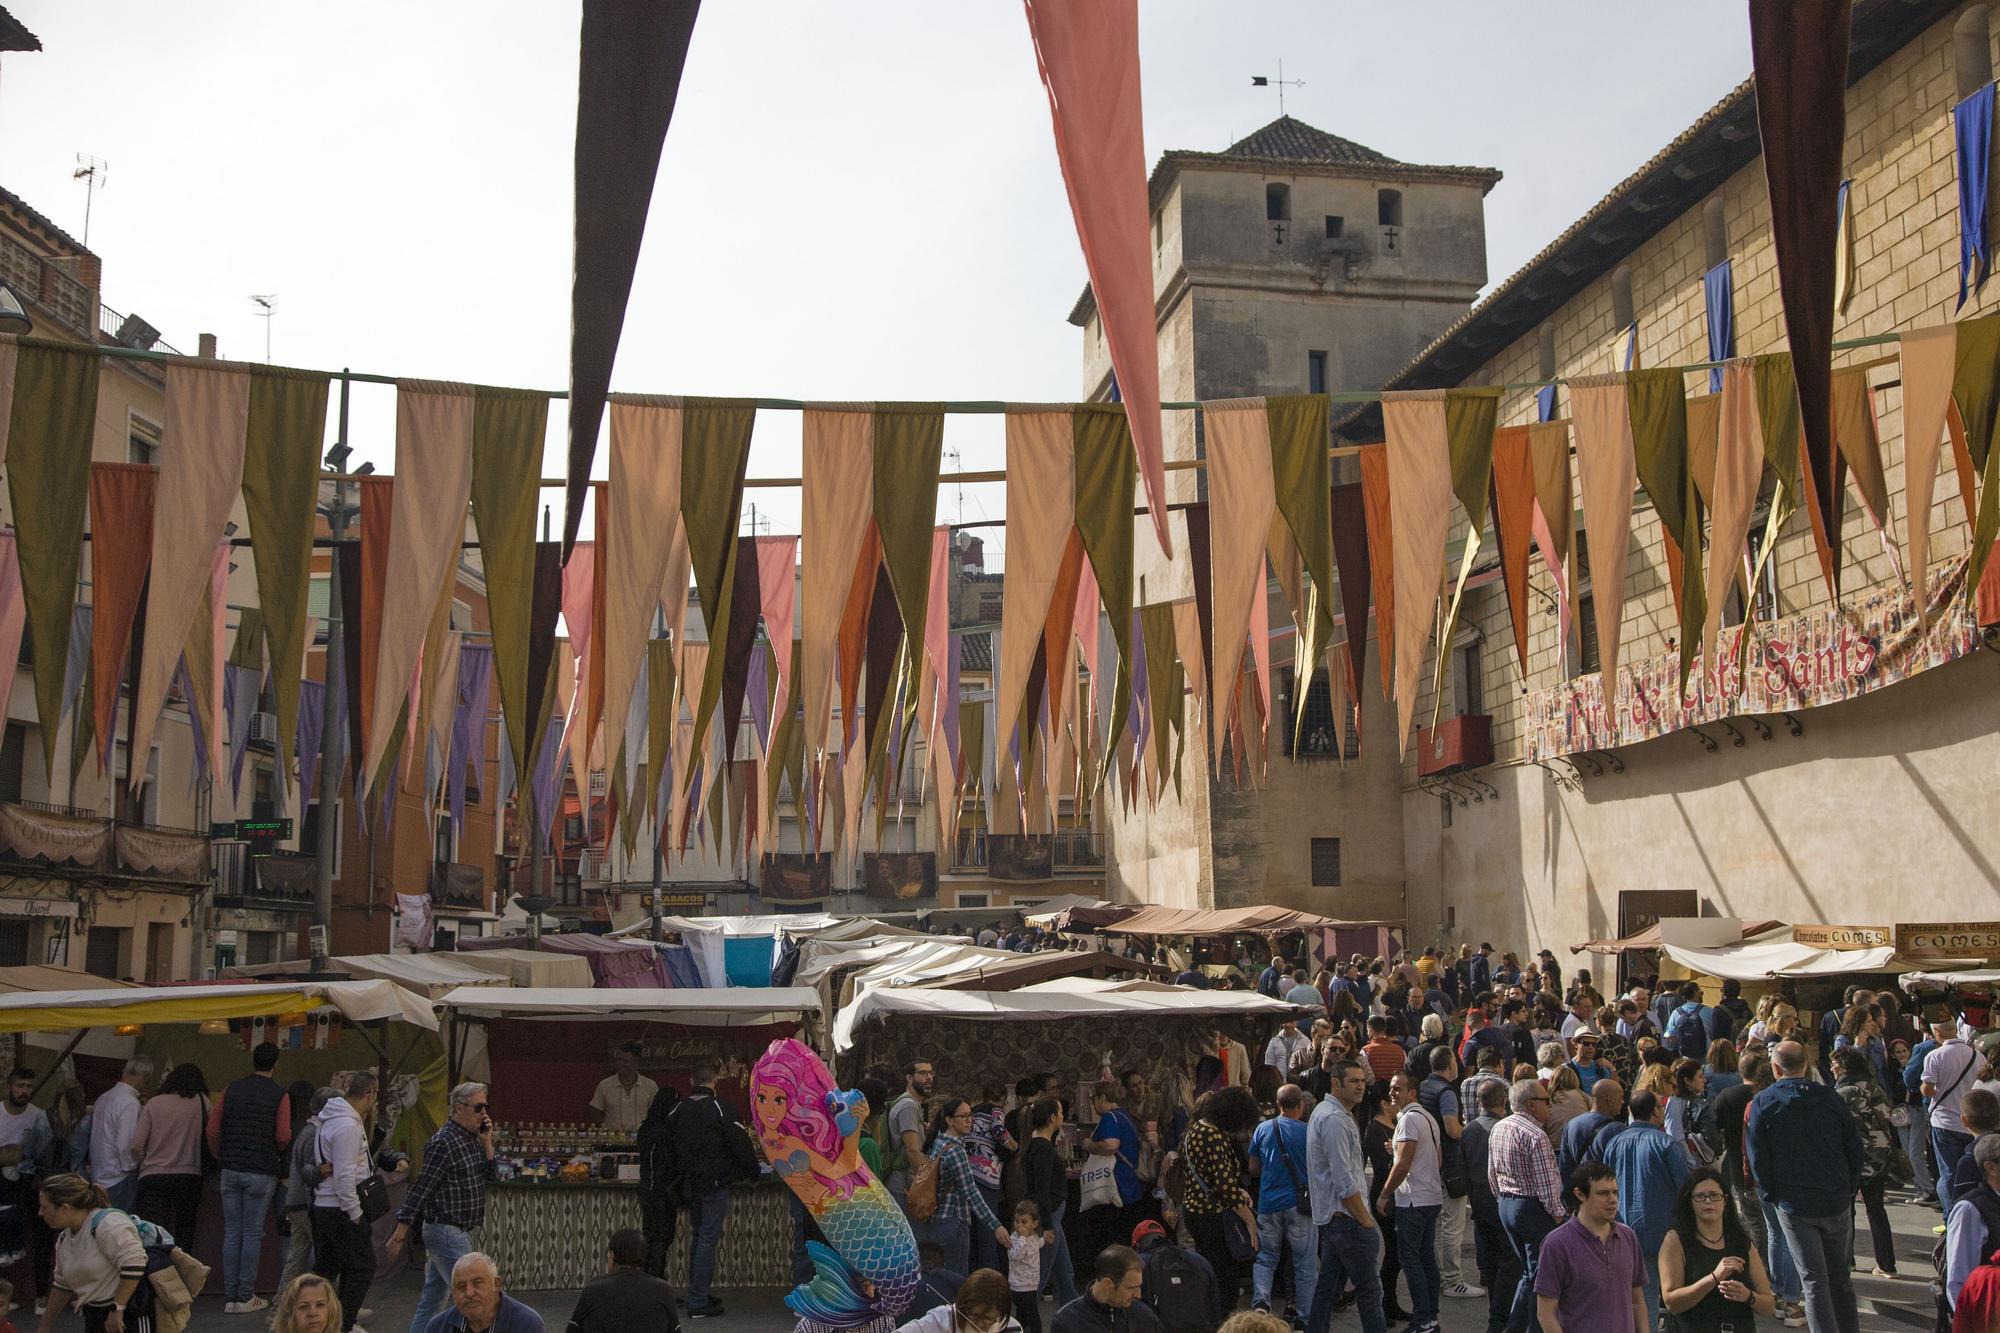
1656,1078
308,1304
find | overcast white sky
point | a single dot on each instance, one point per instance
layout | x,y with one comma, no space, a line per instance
856,201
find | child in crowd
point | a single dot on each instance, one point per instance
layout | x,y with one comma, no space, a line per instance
1024,1264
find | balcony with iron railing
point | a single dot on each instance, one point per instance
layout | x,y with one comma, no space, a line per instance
71,843
276,879
456,884
1076,851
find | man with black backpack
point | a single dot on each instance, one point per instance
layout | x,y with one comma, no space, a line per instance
707,1150
1180,1286
1438,1094
1687,1026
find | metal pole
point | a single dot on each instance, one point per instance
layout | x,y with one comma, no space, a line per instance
658,933
332,736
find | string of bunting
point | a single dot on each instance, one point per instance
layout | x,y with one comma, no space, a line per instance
1088,687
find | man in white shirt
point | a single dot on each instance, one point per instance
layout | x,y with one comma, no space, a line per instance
113,1164
1416,1191
1581,1010
1284,1046
621,1101
1948,1075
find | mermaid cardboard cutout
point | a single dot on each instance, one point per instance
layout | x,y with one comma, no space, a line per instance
811,1133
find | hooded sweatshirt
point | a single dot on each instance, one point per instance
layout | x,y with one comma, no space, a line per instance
343,1144
944,1319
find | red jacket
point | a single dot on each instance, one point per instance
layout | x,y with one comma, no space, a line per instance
1978,1309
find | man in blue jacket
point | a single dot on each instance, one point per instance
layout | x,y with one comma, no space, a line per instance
1805,1153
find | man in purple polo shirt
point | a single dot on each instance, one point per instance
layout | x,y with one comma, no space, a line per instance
1591,1278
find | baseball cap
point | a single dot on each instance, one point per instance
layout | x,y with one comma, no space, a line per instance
1146,1230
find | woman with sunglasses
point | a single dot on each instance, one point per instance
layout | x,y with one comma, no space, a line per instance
1712,1279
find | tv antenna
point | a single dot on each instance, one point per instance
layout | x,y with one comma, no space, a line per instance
91,171
1280,83
267,307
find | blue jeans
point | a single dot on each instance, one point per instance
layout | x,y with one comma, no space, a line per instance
1056,1265
1348,1252
1784,1269
125,1193
444,1246
1820,1245
246,1202
953,1235
1274,1232
1527,1224
1416,1246
706,1215
1950,1146
985,1245
1913,1146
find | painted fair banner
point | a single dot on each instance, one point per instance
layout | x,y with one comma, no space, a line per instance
1820,657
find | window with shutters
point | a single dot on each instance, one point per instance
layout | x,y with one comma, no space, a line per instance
1326,863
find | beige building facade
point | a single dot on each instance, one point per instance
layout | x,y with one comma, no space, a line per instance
1874,810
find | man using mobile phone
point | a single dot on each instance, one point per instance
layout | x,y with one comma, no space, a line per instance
449,1196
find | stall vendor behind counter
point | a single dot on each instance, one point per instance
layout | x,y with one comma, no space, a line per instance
621,1101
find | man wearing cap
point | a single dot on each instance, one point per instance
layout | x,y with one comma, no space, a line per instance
1584,1060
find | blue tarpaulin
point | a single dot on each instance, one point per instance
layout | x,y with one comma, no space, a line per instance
1720,296
1972,124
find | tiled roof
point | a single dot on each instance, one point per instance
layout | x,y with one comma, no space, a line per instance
32,217
977,653
14,37
1288,139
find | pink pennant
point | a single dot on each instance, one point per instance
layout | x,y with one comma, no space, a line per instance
777,576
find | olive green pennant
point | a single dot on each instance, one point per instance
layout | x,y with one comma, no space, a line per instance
715,449
54,416
1106,470
1469,417
287,425
509,429
1657,400
661,718
1302,476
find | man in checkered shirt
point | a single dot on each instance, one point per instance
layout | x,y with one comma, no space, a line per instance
448,1199
1527,1183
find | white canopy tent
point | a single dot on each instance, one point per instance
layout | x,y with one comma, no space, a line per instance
1757,960
530,967
430,974
1046,1003
735,1006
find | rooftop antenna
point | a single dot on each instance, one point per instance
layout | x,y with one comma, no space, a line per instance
1280,83
91,171
267,307
958,465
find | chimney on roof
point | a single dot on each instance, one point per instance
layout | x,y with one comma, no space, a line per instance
205,346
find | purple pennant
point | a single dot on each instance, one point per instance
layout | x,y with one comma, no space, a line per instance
199,738
948,705
312,712
1142,717
756,685
548,771
468,726
239,700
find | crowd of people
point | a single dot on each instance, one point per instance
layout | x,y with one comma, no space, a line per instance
1429,1128
1466,1127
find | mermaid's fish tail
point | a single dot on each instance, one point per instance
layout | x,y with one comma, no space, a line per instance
835,1296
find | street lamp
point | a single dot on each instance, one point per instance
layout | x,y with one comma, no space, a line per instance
13,315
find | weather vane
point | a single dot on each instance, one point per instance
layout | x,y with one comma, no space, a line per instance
1280,83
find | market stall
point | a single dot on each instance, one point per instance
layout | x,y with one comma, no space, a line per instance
530,967
322,1028
568,1184
426,974
614,963
1069,1026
